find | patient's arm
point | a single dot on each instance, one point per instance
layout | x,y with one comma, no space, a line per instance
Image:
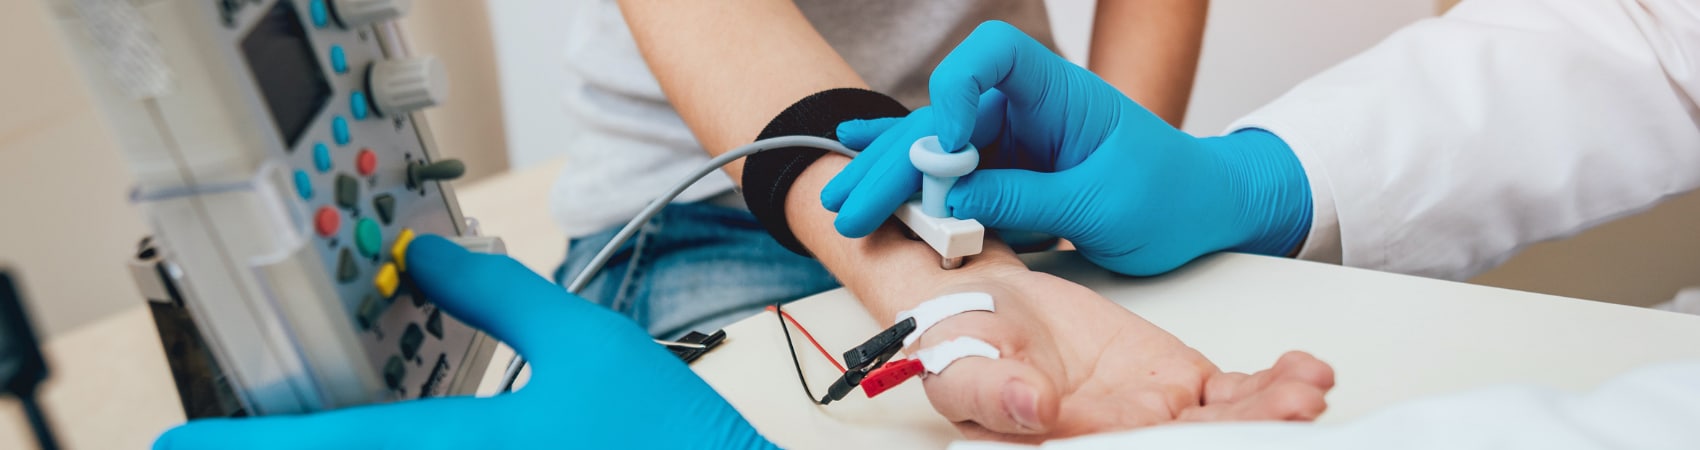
1085,363
1073,362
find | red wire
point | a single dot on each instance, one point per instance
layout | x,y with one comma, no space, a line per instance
811,338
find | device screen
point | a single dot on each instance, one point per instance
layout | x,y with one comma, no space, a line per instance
287,70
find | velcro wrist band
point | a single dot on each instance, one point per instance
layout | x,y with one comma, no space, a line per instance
768,175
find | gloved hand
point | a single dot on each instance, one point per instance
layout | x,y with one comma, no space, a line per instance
1079,160
597,380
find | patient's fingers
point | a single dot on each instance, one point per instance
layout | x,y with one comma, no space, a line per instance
1293,389
1283,400
1000,395
1293,366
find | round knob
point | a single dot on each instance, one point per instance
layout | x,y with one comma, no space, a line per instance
939,171
405,85
354,13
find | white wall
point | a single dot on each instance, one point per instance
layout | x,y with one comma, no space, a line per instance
528,36
1254,50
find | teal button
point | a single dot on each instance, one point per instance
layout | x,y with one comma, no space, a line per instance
321,157
368,237
321,14
303,185
357,105
339,130
339,61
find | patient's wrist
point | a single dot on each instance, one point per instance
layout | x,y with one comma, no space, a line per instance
886,270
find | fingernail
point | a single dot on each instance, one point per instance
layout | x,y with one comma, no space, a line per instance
1023,404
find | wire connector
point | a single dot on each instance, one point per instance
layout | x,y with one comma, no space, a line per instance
868,357
890,375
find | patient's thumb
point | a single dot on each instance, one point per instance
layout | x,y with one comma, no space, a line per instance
1001,395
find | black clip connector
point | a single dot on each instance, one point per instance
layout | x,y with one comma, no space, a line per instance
872,354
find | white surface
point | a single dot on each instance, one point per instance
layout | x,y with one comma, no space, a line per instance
1649,408
1389,337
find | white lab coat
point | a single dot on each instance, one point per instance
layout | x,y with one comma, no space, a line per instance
1459,140
1456,142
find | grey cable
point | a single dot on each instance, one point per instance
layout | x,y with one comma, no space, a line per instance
655,206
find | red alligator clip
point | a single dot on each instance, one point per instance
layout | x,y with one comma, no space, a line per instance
890,375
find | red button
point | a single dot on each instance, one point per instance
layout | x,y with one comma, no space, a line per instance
366,162
326,221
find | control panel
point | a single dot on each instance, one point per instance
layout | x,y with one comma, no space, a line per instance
283,168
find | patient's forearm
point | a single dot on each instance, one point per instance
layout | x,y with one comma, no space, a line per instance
730,67
885,270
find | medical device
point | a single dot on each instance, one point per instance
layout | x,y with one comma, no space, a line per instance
278,157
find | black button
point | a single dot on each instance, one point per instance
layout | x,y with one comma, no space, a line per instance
410,341
371,308
394,371
434,325
346,270
385,204
348,191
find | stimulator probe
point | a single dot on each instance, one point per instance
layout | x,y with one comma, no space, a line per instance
279,159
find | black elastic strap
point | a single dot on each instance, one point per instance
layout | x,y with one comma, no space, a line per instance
768,175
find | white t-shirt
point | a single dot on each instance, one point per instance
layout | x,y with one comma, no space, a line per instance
631,146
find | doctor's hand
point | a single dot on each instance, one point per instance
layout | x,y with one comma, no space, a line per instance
1072,363
1077,159
597,380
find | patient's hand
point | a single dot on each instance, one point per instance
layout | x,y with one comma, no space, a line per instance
1075,363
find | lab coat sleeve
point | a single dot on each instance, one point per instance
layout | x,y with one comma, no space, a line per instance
1461,139
1651,408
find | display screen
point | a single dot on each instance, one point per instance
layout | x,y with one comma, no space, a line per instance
287,70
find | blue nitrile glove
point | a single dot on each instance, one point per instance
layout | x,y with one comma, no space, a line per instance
597,380
1077,159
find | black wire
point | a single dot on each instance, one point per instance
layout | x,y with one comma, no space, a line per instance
38,422
780,313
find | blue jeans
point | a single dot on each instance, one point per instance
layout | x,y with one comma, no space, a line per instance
695,266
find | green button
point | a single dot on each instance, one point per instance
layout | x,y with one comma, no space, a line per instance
368,237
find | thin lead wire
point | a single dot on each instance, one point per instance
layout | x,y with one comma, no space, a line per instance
584,276
794,361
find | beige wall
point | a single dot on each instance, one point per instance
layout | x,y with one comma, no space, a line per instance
1639,260
68,228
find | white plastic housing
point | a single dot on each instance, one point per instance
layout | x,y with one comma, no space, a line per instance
951,237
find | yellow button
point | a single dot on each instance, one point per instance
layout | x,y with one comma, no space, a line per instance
387,280
399,250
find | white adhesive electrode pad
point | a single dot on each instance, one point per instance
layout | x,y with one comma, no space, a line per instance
936,358
931,312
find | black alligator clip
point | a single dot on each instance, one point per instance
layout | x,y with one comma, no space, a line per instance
867,357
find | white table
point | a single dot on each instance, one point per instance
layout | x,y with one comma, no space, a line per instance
1389,337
